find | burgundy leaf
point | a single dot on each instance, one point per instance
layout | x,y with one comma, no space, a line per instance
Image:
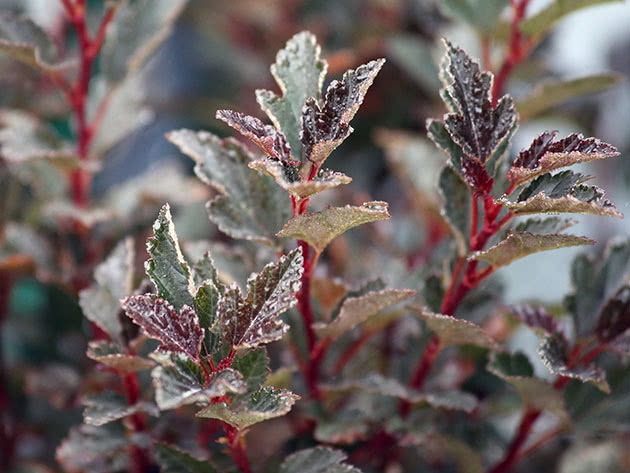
177,332
614,318
545,154
266,137
475,124
536,317
477,177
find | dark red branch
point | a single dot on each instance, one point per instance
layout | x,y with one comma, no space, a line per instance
352,350
236,448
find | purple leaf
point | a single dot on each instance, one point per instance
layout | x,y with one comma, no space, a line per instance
536,317
477,177
266,137
545,154
614,318
178,332
474,123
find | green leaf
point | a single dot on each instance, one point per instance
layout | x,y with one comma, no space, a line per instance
553,352
317,460
544,226
587,456
178,331
167,267
518,245
324,180
453,331
437,132
375,383
318,229
348,426
110,355
254,366
413,55
594,282
173,460
356,310
252,321
249,410
548,94
249,206
483,15
535,393
180,381
108,406
559,194
545,154
25,41
326,127
299,72
474,123
544,19
204,270
136,31
88,446
114,277
456,207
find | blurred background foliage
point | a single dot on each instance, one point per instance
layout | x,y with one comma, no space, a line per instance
217,55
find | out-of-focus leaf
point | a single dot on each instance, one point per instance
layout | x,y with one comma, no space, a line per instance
137,29
109,354
114,277
544,19
178,331
180,381
561,193
413,55
22,39
320,228
614,319
254,366
107,406
299,72
326,127
481,14
474,123
517,245
544,226
603,456
324,180
251,321
536,317
551,93
173,460
535,393
167,267
249,410
553,352
594,281
545,155
376,383
266,137
23,137
250,206
356,310
456,207
453,331
87,446
317,460
345,428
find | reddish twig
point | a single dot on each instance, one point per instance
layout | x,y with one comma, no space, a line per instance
140,461
352,350
237,449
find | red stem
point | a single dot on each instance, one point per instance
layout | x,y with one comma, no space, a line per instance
352,350
517,50
237,450
140,461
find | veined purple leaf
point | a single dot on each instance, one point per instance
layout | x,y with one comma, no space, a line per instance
474,123
477,177
178,332
546,154
251,321
325,127
536,317
299,72
553,351
266,137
